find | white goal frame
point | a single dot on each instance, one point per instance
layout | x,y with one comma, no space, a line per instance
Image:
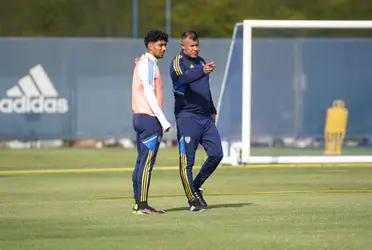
239,153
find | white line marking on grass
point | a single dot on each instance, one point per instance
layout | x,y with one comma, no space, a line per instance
325,191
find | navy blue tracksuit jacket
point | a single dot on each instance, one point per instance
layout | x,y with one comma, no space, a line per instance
191,87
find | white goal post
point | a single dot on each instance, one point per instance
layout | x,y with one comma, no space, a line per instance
239,152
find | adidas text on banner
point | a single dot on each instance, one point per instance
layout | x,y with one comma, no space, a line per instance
34,93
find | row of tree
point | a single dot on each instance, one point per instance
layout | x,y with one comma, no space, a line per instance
113,18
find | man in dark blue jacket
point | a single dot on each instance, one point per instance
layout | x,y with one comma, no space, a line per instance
195,115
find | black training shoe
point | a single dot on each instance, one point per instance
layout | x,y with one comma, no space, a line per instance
195,205
199,192
146,210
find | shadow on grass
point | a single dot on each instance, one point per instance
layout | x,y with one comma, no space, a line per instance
210,207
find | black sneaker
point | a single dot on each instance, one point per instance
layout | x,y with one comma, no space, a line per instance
146,210
199,192
195,205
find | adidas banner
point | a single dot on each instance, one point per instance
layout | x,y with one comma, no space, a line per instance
34,93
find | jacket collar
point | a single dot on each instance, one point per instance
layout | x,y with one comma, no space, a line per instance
151,56
184,55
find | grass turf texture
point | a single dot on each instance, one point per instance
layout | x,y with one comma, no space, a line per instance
250,208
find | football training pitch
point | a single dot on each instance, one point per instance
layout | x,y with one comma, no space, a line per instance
82,199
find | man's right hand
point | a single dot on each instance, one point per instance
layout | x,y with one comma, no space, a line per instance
209,67
166,130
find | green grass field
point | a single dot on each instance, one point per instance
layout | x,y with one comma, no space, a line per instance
81,199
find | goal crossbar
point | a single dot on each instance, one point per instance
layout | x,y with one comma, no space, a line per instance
309,24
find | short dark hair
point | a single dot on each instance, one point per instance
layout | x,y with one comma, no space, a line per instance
191,34
154,36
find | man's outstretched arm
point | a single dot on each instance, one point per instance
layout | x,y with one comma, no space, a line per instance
184,75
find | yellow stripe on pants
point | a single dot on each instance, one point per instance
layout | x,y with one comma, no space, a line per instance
145,176
184,177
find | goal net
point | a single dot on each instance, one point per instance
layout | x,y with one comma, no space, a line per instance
297,92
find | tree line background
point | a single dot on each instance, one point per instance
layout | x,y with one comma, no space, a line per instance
113,18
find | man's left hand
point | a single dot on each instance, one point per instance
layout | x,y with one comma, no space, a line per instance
214,118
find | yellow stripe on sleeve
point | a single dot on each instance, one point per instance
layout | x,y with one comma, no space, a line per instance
176,65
